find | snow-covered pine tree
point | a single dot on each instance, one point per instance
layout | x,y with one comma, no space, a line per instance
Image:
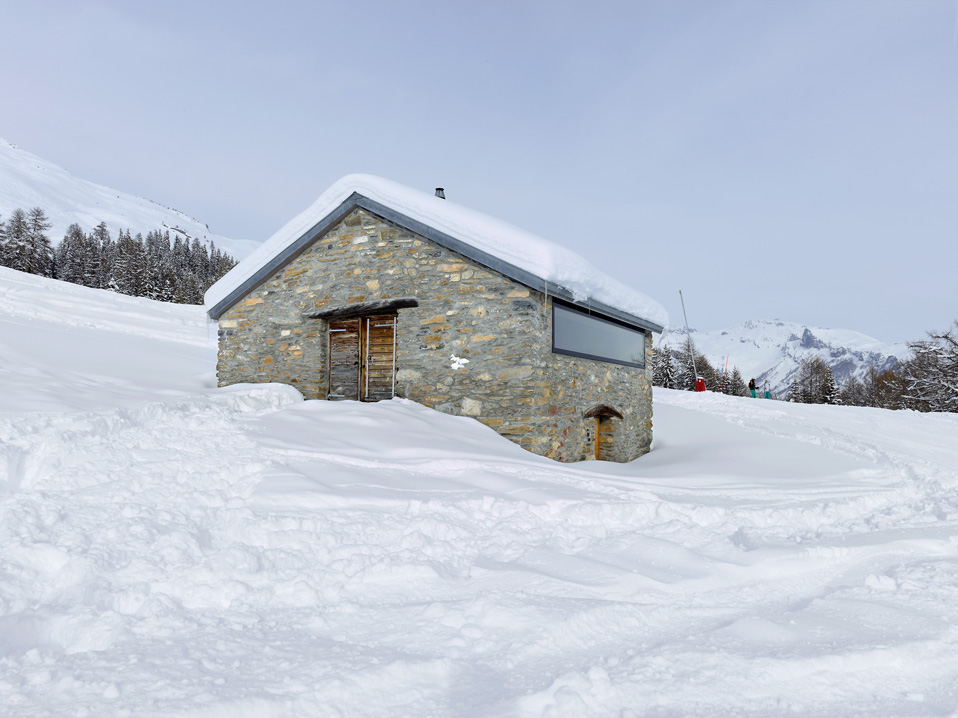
157,252
142,266
692,363
124,270
92,260
102,271
3,243
16,255
669,375
656,366
220,263
813,383
661,357
187,290
724,380
688,375
737,385
930,378
795,392
885,389
707,372
166,281
199,262
829,392
41,258
70,255
852,393
179,258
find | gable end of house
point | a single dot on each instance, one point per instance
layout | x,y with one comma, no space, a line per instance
357,200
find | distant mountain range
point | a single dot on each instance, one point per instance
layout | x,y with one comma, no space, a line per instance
26,181
773,350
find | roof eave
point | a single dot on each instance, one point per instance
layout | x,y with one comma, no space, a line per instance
490,261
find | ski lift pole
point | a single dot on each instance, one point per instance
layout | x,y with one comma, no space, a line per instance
699,383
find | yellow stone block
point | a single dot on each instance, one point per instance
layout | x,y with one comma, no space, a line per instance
517,429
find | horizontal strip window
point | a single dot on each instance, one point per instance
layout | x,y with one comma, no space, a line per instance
589,336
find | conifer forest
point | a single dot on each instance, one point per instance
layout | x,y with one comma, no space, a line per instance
177,269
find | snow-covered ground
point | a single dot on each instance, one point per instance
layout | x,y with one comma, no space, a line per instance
172,549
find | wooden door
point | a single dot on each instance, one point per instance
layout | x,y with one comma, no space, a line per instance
344,354
362,358
379,365
604,438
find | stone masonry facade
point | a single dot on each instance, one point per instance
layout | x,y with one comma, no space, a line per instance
513,382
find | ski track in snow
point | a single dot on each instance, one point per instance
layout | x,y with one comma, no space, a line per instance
177,550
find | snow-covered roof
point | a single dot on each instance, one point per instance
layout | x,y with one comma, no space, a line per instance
529,259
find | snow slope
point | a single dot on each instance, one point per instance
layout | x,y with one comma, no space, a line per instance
772,351
26,181
172,549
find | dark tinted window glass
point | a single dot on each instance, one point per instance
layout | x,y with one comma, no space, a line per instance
585,335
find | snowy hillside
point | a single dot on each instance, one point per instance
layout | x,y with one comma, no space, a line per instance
172,549
26,181
773,350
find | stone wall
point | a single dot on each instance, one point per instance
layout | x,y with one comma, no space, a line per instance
496,331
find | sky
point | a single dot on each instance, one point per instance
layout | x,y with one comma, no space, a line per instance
772,160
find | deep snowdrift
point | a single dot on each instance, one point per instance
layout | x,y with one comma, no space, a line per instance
172,549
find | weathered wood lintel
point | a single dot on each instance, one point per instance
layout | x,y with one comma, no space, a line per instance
365,308
602,410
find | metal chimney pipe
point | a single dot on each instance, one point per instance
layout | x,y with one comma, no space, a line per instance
440,193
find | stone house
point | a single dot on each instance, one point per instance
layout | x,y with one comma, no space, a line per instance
378,290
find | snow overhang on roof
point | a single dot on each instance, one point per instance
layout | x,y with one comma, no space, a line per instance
530,260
